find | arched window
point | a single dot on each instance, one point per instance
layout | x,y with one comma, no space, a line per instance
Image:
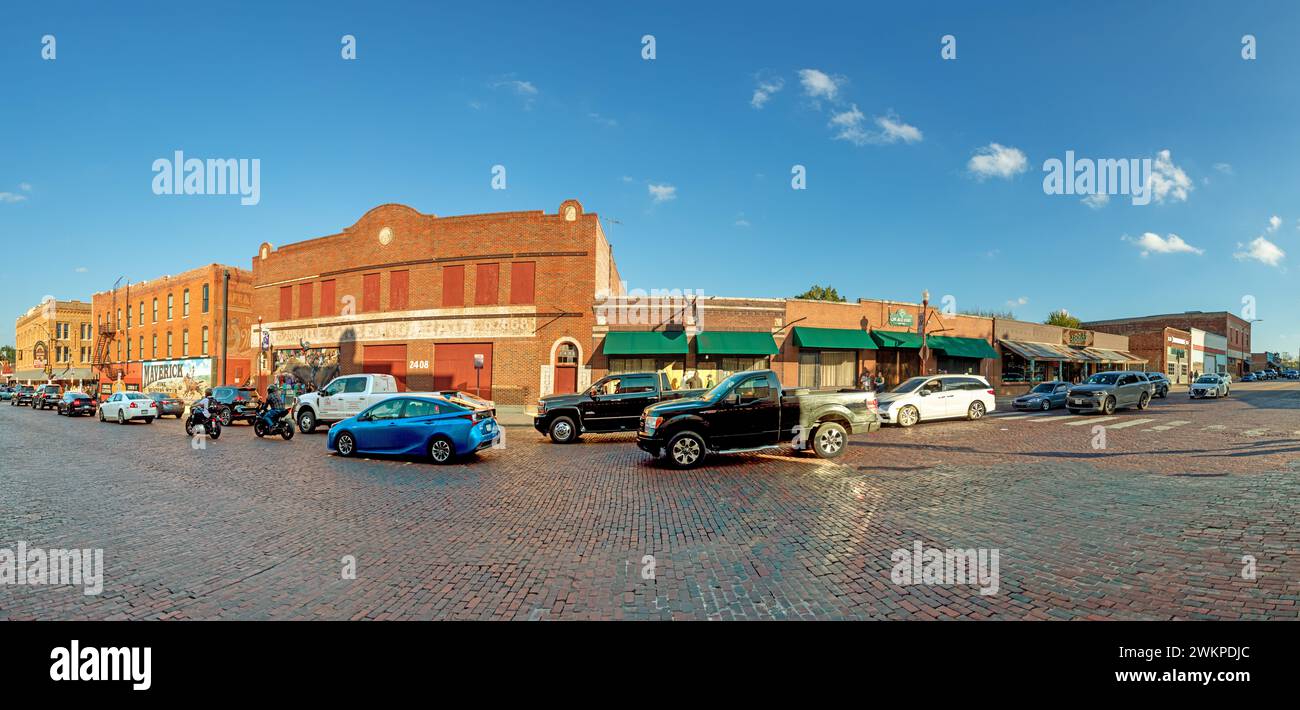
567,354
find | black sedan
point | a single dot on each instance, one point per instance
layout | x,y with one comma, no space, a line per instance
75,404
167,404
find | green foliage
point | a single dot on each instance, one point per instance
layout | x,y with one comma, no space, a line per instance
822,293
1063,319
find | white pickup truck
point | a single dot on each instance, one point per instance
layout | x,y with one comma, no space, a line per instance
343,397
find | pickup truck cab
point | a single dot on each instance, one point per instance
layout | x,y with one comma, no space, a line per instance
750,411
612,404
345,396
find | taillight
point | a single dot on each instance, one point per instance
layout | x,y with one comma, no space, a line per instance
992,392
133,406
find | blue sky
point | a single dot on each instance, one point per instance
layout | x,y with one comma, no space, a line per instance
675,149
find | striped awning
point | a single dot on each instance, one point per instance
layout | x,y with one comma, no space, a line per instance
1118,357
1050,352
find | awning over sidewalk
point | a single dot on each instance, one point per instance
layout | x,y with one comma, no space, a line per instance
645,342
897,339
1118,357
833,338
962,347
1048,352
735,342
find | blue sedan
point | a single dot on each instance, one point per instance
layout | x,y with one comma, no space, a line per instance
1045,396
423,425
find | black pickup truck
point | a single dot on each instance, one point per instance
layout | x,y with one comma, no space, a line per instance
612,404
749,411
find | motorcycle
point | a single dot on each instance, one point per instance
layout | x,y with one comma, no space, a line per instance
266,424
195,422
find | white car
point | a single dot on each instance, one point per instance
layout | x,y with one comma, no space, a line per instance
125,406
936,397
1209,386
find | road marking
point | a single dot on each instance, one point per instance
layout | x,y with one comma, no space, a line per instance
1215,427
1013,416
1255,432
1130,423
1090,420
1168,425
1055,417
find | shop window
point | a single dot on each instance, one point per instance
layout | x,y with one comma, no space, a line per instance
485,284
453,286
398,290
825,369
674,369
370,293
522,282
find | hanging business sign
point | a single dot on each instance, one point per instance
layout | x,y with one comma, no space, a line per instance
902,318
40,355
1077,338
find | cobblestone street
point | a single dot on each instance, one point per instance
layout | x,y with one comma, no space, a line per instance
1153,526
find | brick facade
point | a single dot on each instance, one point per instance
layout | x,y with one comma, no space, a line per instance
1232,327
56,334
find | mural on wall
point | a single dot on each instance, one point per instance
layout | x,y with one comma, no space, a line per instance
184,379
306,369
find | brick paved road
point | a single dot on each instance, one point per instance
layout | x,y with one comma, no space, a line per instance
1153,526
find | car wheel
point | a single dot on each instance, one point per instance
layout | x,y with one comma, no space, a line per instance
441,451
563,430
148,420
907,416
346,445
976,411
686,450
225,417
101,415
1164,393
1144,400
1047,404
307,422
829,440
120,419
1108,407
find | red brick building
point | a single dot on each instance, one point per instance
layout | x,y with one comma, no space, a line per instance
425,298
1228,325
178,333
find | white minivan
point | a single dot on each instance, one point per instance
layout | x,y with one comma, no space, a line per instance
936,397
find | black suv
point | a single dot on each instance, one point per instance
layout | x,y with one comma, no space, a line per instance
46,397
22,396
236,404
613,403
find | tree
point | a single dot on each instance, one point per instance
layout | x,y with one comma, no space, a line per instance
1063,319
988,313
8,354
822,293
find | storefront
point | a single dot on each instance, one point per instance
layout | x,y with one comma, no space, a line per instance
961,356
648,351
828,357
720,354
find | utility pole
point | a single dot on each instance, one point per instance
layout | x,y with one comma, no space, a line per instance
925,346
225,321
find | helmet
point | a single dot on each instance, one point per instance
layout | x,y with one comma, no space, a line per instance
207,392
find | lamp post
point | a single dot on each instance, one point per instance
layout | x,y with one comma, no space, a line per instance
925,345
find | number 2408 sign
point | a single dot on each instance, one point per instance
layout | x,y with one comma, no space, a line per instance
418,365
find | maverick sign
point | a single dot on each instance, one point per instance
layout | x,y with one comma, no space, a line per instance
186,378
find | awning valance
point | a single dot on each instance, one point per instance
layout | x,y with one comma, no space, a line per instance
645,342
833,338
956,346
897,339
1116,356
1043,351
731,342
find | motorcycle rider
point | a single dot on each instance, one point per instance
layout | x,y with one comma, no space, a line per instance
273,406
200,408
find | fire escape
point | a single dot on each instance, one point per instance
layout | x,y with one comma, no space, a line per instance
105,334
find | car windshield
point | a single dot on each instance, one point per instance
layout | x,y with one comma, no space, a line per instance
1207,380
1104,378
76,395
722,387
910,385
1045,388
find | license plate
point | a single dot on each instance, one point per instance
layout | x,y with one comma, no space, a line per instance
1077,401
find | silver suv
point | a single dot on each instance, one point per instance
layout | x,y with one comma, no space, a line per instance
1107,391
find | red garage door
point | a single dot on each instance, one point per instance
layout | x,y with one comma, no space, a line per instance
386,360
453,368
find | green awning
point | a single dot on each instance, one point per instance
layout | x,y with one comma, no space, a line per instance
645,342
897,339
733,342
962,347
833,339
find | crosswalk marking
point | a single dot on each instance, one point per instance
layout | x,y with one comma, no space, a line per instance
1168,425
1131,422
1090,420
1013,416
1055,417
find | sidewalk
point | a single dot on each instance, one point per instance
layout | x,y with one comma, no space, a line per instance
515,415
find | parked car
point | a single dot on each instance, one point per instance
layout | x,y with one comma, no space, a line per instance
22,396
749,411
1291,374
1161,384
1208,386
76,403
1044,396
421,424
46,397
167,404
613,403
931,397
126,406
1106,392
6,393
1250,377
344,397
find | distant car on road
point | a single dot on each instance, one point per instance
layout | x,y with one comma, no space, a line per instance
423,425
1106,392
1250,377
125,406
167,404
1161,384
46,397
75,404
1208,386
1291,374
6,393
237,404
1044,396
22,396
921,399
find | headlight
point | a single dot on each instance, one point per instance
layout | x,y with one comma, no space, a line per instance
541,407
652,423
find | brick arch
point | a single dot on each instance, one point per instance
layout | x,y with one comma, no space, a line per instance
564,379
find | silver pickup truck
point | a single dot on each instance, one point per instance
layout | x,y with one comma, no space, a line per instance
1107,391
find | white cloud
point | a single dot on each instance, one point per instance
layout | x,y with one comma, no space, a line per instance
603,120
996,160
1273,223
25,186
81,269
663,193
894,130
818,84
765,89
741,221
1023,300
11,197
849,126
1169,180
1150,242
1261,250
627,178
1097,200
524,89
1224,168
848,123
